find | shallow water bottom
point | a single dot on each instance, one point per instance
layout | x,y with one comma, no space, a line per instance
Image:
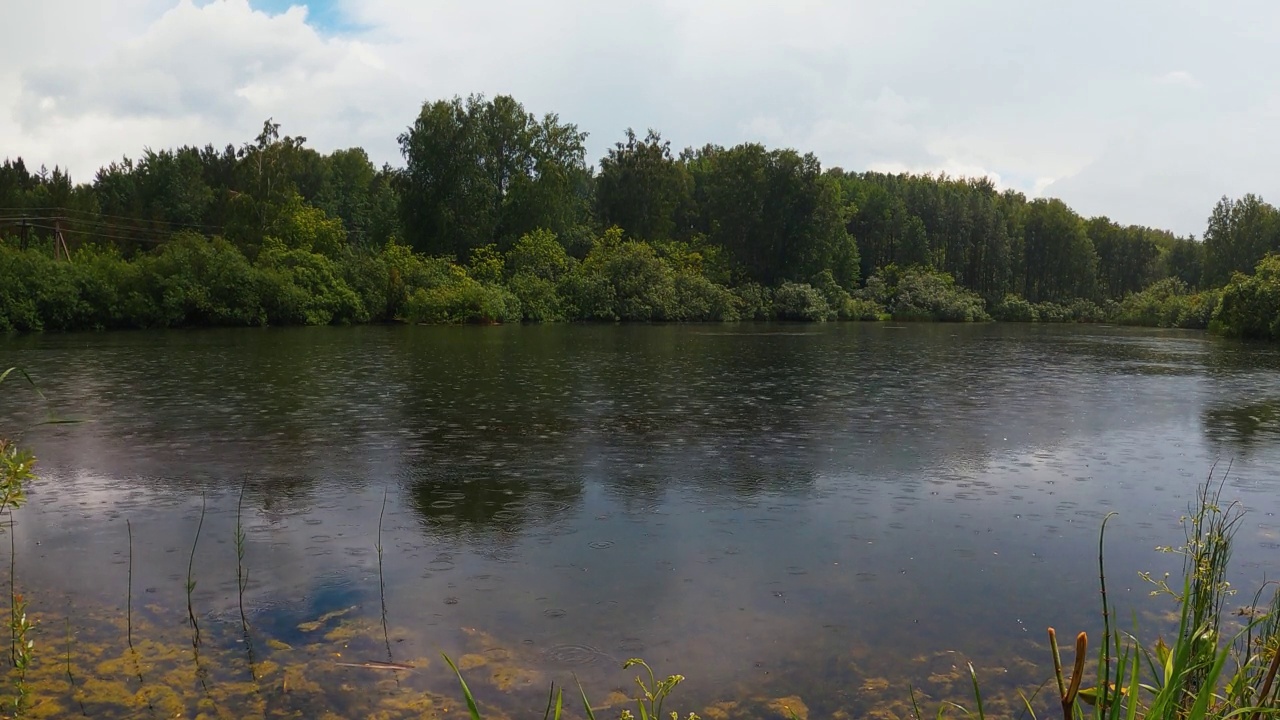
342,665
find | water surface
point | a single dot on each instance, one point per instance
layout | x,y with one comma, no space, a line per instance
825,513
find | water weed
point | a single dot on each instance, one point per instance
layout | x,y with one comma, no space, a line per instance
1205,672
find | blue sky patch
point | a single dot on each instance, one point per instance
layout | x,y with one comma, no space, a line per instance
324,15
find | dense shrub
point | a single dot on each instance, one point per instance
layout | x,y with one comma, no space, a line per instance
1250,304
843,305
1168,303
384,280
538,297
801,301
305,277
300,287
754,301
1052,312
699,299
1077,311
462,299
1087,311
1014,309
923,294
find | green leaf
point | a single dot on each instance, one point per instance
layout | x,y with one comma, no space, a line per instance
466,691
586,704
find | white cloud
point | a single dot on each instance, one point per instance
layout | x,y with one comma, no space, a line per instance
1179,77
1043,97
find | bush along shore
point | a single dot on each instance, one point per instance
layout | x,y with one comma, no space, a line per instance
196,281
497,216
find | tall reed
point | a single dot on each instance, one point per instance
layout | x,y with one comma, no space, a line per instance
1200,674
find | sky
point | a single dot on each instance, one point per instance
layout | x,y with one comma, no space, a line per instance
1146,111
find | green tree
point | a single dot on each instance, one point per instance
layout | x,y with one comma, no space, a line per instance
488,171
1183,258
774,212
1239,233
1128,257
360,195
1060,263
643,190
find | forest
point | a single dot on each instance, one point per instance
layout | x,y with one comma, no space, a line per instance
497,216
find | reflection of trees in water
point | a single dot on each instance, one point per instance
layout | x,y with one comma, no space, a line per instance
479,503
482,424
1243,426
1241,413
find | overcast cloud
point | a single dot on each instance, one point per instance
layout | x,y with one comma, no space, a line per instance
1146,111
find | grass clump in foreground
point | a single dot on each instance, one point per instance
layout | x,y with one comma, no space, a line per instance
1203,672
653,696
1214,666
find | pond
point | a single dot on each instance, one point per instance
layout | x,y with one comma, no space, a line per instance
815,517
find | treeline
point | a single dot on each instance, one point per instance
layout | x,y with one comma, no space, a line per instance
498,217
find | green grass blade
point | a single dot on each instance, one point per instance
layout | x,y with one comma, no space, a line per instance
1031,713
4,375
586,704
551,697
977,692
1113,710
1201,707
466,691
1132,714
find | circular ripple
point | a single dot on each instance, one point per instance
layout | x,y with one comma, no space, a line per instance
536,506
574,654
631,645
554,613
600,544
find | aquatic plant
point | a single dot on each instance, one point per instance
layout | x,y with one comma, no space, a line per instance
16,467
1189,678
653,695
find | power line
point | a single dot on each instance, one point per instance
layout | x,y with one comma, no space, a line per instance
114,217
105,231
113,227
93,234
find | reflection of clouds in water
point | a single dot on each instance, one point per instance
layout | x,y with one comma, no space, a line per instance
723,501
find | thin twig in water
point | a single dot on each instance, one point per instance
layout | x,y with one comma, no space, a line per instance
129,597
13,595
242,580
71,678
382,585
242,573
191,583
